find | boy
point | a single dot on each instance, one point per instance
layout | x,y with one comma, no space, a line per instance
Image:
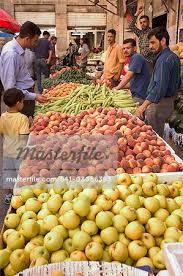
14,127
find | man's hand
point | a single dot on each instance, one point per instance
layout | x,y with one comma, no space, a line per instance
139,11
48,61
30,121
140,112
41,99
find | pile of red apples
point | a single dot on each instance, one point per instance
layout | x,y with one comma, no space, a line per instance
140,150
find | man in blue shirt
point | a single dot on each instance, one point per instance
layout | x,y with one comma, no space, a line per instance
138,73
13,69
165,82
43,52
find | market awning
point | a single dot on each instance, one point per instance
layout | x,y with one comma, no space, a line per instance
8,22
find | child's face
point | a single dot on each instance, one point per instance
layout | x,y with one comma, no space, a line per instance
20,105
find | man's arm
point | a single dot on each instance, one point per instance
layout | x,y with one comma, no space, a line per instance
127,78
141,110
117,77
132,25
87,50
159,90
121,61
49,57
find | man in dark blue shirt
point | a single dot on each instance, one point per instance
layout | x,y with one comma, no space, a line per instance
165,82
138,74
43,53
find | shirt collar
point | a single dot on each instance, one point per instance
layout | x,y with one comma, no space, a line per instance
113,46
19,49
146,30
162,52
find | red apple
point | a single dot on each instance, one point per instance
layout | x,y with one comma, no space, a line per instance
146,153
146,169
132,163
137,170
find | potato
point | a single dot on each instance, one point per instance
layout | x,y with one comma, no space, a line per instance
180,44
174,47
180,49
181,55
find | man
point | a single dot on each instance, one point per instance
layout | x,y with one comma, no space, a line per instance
53,41
142,35
43,52
165,82
13,69
137,74
84,51
114,59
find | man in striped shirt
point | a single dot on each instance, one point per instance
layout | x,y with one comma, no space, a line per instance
142,34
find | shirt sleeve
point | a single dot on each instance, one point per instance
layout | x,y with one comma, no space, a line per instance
133,26
24,126
86,48
9,74
160,87
136,64
120,55
49,46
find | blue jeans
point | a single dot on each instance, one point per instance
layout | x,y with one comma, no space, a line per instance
41,67
10,171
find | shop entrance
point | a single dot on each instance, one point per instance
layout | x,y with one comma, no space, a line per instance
95,38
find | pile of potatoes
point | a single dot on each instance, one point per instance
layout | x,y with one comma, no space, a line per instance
178,50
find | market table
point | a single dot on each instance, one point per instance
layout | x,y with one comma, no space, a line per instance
131,191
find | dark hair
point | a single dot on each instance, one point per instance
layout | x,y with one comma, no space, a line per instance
144,17
46,33
160,33
29,29
53,37
12,96
112,31
84,40
131,41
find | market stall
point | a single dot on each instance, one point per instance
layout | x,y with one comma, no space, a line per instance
84,216
8,23
174,126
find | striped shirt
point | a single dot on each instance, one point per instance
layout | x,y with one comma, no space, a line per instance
143,40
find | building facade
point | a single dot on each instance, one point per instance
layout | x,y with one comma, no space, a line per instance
71,19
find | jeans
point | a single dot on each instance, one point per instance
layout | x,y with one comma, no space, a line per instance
41,68
10,171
